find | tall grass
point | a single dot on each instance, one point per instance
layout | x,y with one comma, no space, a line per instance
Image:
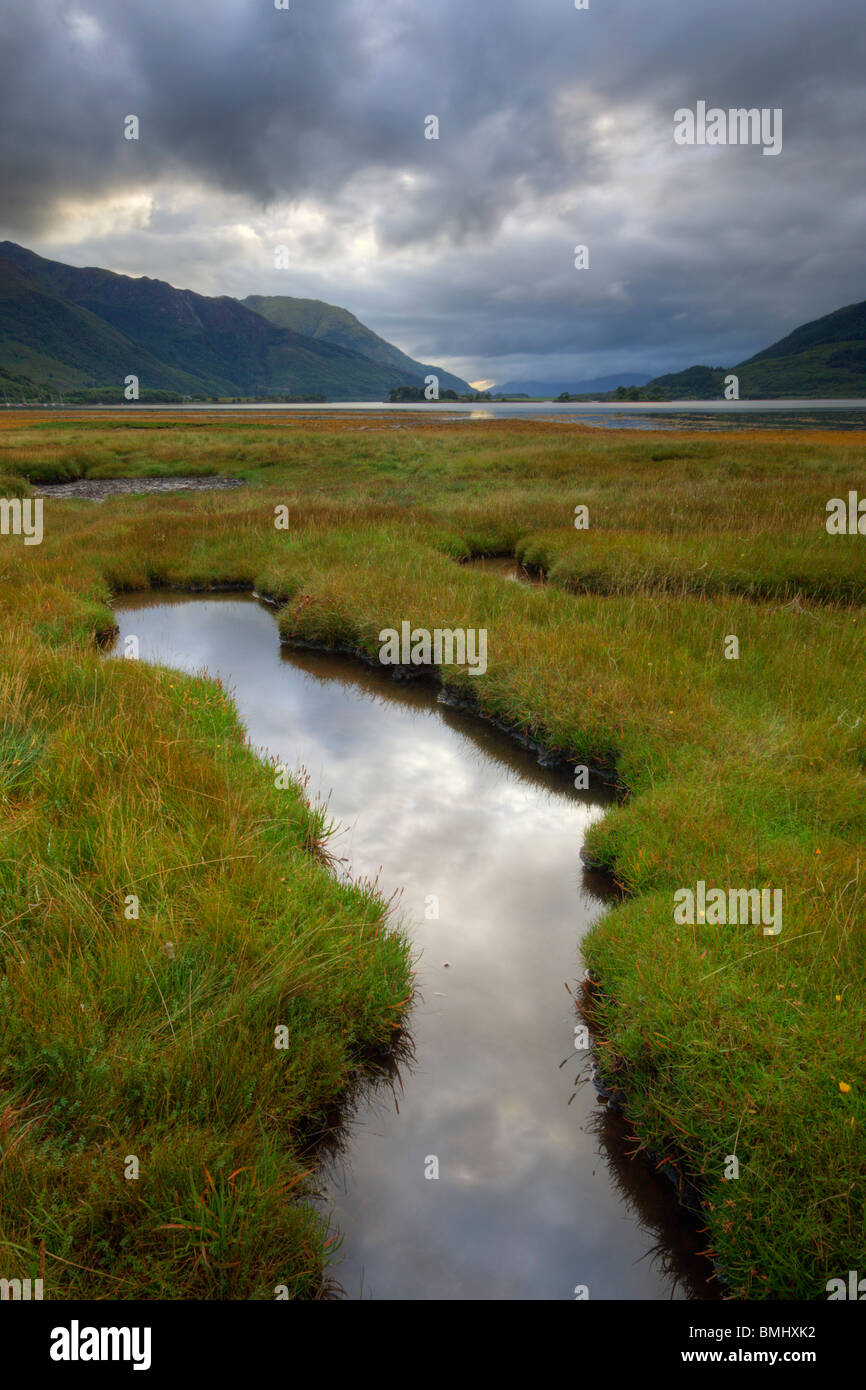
151,1037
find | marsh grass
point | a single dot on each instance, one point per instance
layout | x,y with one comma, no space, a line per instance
155,1037
741,773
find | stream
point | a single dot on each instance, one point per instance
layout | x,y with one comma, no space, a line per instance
536,1194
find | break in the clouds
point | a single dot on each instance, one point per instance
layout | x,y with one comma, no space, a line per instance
305,128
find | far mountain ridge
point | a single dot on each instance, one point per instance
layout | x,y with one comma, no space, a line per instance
548,389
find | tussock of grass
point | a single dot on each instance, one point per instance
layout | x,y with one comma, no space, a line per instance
745,773
14,485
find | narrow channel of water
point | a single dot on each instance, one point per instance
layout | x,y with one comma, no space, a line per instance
536,1193
506,567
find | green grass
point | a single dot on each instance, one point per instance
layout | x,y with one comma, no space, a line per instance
153,1035
741,773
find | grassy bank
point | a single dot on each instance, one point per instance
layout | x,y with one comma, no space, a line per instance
165,908
743,773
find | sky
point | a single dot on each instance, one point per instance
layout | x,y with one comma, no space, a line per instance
304,128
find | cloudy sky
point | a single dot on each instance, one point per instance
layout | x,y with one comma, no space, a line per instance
305,128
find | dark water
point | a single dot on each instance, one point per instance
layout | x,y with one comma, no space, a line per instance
506,567
536,1193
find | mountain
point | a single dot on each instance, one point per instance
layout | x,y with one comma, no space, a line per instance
328,323
574,388
826,357
67,329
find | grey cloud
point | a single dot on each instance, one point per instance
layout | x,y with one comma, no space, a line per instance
706,257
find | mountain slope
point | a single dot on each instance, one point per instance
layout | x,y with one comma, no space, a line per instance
63,327
826,357
44,339
328,322
841,327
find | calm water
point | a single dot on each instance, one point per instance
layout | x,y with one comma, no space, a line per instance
678,415
505,566
536,1193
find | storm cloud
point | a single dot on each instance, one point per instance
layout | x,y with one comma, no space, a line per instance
304,128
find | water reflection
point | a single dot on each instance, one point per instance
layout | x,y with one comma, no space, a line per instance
463,823
647,1194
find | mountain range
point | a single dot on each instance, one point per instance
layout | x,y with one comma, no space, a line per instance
65,329
552,389
80,332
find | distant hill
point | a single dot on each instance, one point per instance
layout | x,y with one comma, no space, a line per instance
826,357
574,388
65,329
331,324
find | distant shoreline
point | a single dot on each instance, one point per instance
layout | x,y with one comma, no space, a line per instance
490,408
